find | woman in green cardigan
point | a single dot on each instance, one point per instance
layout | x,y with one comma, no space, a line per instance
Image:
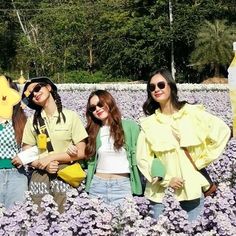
112,170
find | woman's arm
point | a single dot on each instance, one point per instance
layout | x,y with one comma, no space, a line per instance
63,157
218,134
144,157
34,163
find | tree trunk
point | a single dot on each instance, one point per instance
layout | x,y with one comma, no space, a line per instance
90,48
217,70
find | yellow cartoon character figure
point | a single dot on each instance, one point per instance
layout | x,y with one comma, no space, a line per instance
8,98
12,123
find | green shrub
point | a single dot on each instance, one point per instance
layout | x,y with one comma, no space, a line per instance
86,77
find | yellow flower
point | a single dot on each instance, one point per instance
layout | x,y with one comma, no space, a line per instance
8,98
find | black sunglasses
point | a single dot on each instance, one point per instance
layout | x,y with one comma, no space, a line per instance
28,99
37,87
92,108
160,85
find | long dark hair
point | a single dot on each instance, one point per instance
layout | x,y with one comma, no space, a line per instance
150,105
114,121
18,116
37,114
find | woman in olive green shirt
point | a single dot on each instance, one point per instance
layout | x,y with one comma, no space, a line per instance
63,126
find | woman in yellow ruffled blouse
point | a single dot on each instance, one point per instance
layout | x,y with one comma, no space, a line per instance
170,126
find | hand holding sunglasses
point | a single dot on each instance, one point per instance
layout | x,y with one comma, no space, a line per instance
30,96
38,87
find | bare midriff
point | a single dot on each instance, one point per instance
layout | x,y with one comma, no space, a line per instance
112,175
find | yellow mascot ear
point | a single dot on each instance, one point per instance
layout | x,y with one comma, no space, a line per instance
8,98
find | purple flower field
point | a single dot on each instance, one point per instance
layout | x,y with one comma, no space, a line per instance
84,216
130,98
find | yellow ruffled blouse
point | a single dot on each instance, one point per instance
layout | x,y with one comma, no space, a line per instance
203,134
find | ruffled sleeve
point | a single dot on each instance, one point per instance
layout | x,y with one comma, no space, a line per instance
204,134
144,156
217,136
158,134
192,128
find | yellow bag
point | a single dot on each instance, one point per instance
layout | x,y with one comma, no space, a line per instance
42,141
72,174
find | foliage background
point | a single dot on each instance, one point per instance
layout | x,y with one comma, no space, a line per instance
119,39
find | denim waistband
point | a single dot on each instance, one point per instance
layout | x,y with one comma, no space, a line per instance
111,179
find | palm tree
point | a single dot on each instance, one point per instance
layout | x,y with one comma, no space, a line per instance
213,46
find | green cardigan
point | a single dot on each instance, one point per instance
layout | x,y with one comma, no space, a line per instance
131,130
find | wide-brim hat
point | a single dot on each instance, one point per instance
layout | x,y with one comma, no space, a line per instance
27,98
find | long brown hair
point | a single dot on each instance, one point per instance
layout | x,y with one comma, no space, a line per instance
94,124
18,115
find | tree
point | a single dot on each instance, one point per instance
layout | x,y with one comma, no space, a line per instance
54,39
213,46
135,39
7,37
119,37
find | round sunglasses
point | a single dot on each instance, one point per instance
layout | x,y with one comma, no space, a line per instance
160,85
37,87
92,108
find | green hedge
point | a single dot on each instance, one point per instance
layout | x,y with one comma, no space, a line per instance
86,77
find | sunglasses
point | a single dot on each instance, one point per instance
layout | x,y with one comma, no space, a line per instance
93,107
37,87
29,96
160,85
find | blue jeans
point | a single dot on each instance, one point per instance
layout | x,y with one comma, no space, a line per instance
111,191
13,184
193,208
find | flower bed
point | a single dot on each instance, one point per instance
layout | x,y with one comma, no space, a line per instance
84,216
130,97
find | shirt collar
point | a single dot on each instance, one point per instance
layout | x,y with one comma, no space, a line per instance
162,117
44,115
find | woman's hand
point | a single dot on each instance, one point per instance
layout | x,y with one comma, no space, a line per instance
43,162
176,183
52,167
34,164
156,180
16,161
72,150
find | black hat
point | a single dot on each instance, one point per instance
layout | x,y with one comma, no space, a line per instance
28,99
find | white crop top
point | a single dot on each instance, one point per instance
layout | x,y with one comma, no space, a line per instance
110,160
